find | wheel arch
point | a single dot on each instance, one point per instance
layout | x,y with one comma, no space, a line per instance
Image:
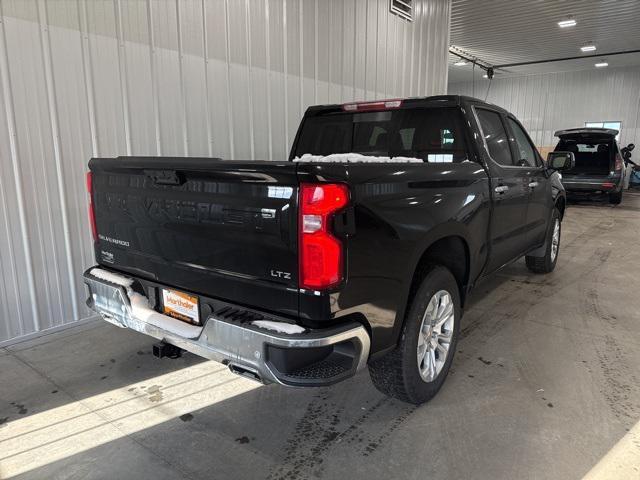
561,205
452,252
449,250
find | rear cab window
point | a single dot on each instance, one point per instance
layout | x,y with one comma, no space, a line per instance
435,135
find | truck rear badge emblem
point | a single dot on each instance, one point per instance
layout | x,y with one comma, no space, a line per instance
107,257
279,274
115,241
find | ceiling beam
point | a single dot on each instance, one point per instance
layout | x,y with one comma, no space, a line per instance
551,60
458,52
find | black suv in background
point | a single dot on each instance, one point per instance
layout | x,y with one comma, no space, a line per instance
599,166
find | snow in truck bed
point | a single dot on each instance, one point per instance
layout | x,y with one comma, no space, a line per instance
353,158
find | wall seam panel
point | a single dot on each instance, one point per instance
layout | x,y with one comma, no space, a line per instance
247,33
13,148
153,67
122,73
57,150
267,41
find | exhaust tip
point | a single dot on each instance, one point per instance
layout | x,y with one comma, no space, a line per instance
245,372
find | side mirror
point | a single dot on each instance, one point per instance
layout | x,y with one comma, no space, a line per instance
561,160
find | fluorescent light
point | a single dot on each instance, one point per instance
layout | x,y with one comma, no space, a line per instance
601,64
485,76
460,63
588,48
567,23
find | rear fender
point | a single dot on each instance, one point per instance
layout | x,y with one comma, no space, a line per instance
449,229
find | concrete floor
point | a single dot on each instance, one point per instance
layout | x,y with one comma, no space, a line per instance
545,385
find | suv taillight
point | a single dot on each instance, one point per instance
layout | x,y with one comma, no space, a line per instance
92,215
320,252
618,165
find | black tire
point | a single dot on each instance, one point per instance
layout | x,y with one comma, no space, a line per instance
547,263
397,373
615,198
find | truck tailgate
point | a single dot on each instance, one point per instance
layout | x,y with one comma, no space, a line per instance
207,226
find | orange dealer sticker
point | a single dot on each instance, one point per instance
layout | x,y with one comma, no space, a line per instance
181,306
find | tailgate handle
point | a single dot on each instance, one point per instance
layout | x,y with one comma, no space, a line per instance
164,177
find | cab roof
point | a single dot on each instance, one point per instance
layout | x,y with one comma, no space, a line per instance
432,101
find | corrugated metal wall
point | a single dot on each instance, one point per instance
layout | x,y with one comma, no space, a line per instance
228,78
548,102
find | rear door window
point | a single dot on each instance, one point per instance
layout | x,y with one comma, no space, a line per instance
495,136
435,135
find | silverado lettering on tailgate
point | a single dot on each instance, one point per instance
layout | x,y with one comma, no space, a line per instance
181,211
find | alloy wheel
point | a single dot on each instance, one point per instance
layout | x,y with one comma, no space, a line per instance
435,335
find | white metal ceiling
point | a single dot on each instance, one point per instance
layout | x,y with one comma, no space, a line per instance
513,31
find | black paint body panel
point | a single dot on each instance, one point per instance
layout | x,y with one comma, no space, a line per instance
400,209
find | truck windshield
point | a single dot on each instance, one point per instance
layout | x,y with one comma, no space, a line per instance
434,135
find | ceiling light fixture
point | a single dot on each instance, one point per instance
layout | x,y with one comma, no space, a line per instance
601,64
569,22
588,48
460,63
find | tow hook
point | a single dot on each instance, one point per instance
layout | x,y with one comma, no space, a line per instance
164,349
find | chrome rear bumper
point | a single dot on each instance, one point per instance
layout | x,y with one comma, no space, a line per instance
312,358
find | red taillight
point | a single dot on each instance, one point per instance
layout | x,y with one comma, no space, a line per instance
319,251
618,165
368,106
608,185
92,215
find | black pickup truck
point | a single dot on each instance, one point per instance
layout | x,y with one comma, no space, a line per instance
361,249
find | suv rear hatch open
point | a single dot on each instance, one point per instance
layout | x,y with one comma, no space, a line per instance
594,150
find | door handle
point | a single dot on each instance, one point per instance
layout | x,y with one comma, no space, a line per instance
533,184
501,188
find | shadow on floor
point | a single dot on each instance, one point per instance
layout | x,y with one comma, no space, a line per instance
80,363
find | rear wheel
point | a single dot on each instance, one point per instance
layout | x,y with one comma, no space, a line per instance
548,262
416,369
615,198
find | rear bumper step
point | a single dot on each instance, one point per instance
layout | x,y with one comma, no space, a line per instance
311,358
